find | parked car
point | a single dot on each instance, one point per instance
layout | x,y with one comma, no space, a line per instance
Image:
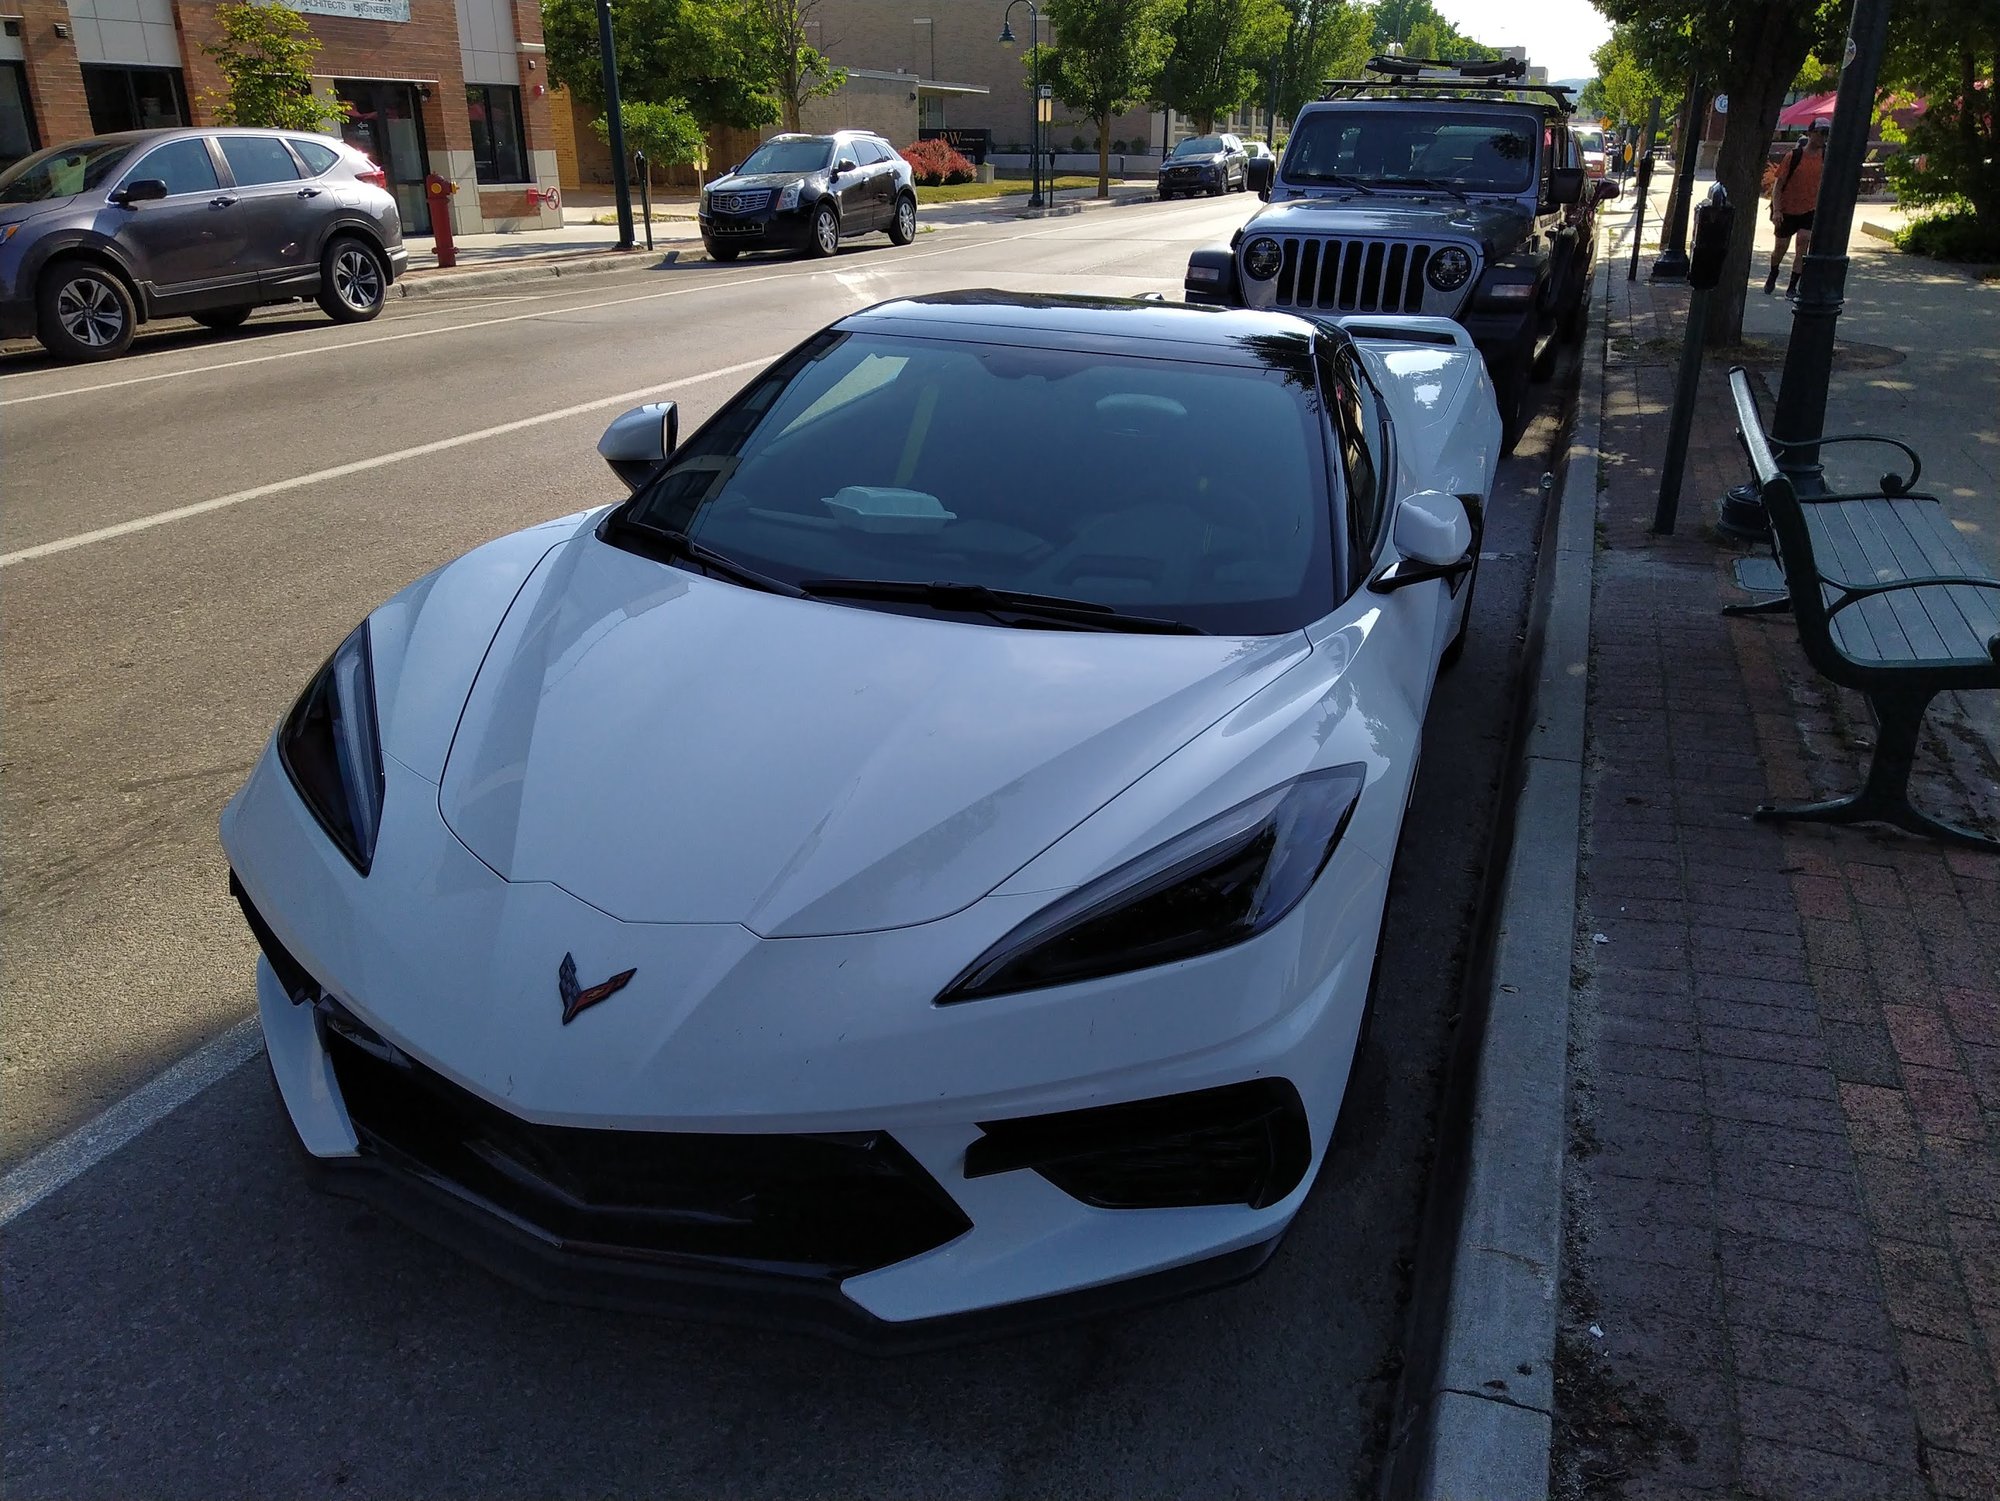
1594,148
1256,151
1204,164
1460,194
99,236
808,193
869,839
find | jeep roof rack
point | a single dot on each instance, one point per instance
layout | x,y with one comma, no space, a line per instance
1500,79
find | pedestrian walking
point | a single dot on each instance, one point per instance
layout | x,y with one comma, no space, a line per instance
1794,196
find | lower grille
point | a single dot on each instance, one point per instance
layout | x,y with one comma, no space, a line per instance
828,1206
1354,276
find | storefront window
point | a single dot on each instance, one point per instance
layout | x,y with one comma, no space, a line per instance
499,149
17,121
134,98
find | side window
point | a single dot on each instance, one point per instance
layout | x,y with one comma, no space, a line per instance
258,159
317,155
871,153
184,166
1357,425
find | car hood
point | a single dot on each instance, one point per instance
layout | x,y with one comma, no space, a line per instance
755,180
670,748
20,213
1498,224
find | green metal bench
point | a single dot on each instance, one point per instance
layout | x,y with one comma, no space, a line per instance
1889,600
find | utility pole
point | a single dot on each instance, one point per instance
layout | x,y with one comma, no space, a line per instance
621,182
1801,409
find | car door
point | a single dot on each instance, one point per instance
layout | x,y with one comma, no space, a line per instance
880,164
284,216
852,189
185,247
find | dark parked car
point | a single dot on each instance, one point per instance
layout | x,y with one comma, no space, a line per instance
801,192
101,235
1205,164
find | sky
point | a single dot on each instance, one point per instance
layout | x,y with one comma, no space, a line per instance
1559,34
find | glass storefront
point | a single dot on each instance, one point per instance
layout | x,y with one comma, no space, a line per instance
17,120
499,148
134,98
383,120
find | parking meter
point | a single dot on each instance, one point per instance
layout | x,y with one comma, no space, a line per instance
1714,218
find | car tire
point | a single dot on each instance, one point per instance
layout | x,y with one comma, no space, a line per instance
1574,318
223,319
824,240
1165,196
352,284
903,224
83,312
1510,389
1219,189
1449,657
724,252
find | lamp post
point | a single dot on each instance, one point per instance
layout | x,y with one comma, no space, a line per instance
621,184
1672,263
1035,91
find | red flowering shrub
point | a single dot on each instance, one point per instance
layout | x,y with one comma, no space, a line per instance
934,162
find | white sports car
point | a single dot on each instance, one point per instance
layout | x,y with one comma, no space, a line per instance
916,863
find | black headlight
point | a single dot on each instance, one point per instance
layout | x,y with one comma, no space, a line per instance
1448,269
1262,257
1220,884
331,749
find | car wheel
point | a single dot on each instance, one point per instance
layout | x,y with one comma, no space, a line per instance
903,228
223,319
724,252
1449,657
83,312
1165,196
352,285
825,239
1575,318
1219,189
1510,390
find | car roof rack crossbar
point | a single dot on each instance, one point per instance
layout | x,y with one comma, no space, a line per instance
1415,67
1358,88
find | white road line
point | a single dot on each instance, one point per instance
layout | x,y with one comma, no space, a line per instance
720,284
57,1164
362,466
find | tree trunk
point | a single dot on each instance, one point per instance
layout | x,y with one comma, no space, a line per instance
1104,155
1768,46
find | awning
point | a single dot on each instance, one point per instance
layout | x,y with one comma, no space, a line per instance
934,86
1801,115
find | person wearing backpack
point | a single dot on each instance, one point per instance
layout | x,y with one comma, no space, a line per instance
1794,196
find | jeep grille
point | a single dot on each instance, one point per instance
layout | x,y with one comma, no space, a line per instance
1354,276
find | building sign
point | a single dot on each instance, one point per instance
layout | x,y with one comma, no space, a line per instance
970,144
360,10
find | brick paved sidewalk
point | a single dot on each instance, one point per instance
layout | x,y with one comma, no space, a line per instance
1783,1260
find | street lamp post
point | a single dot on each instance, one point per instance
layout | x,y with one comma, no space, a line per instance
1035,91
1672,263
621,184
1801,409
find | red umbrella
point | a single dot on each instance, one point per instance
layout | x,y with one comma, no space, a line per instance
1813,107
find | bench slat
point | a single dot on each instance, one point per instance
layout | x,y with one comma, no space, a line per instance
1979,607
1922,540
1868,631
1872,536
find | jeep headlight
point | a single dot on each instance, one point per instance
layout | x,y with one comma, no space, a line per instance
1262,257
788,198
1448,269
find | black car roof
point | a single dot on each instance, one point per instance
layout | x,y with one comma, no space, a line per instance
1212,334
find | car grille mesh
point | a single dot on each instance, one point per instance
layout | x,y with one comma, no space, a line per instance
1354,276
739,203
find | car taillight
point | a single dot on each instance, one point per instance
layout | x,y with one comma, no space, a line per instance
373,175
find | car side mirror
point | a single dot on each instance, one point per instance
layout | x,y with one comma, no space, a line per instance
1260,174
145,190
637,443
1606,190
1566,185
845,164
1433,537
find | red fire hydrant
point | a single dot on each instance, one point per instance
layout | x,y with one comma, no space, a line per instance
437,193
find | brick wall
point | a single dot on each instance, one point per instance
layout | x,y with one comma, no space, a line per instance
55,84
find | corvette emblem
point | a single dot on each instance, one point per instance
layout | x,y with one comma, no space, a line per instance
575,998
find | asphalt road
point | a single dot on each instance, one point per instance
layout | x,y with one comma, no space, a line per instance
186,534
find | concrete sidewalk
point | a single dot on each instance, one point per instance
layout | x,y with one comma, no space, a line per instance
1782,1194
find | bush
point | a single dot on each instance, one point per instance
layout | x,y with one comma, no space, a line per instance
1119,146
934,162
1077,143
1954,235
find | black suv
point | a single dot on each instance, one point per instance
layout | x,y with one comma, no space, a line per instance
801,192
1453,189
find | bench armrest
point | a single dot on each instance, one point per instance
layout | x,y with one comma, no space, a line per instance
1893,485
1855,593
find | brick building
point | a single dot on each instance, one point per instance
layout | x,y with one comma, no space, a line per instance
455,87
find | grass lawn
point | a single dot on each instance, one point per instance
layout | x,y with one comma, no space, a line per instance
959,192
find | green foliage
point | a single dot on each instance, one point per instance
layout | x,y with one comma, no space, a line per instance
1956,234
799,70
668,134
1323,39
266,55
1107,58
714,56
1424,32
1219,48
1625,85
1947,53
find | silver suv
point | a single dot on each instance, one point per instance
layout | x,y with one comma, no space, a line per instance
98,236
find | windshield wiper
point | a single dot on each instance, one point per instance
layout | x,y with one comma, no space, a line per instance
998,603
1338,180
1428,182
667,544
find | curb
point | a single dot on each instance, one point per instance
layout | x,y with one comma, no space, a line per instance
429,283
1487,1420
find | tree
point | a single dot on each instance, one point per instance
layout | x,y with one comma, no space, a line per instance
1946,53
1107,58
265,55
709,54
1628,80
800,70
1323,39
1750,50
1424,32
1219,46
667,133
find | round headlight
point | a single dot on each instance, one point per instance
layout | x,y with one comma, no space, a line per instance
1448,269
1261,258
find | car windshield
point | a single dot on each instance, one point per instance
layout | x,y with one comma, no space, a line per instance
1481,153
790,156
1199,146
61,170
1590,140
1188,492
